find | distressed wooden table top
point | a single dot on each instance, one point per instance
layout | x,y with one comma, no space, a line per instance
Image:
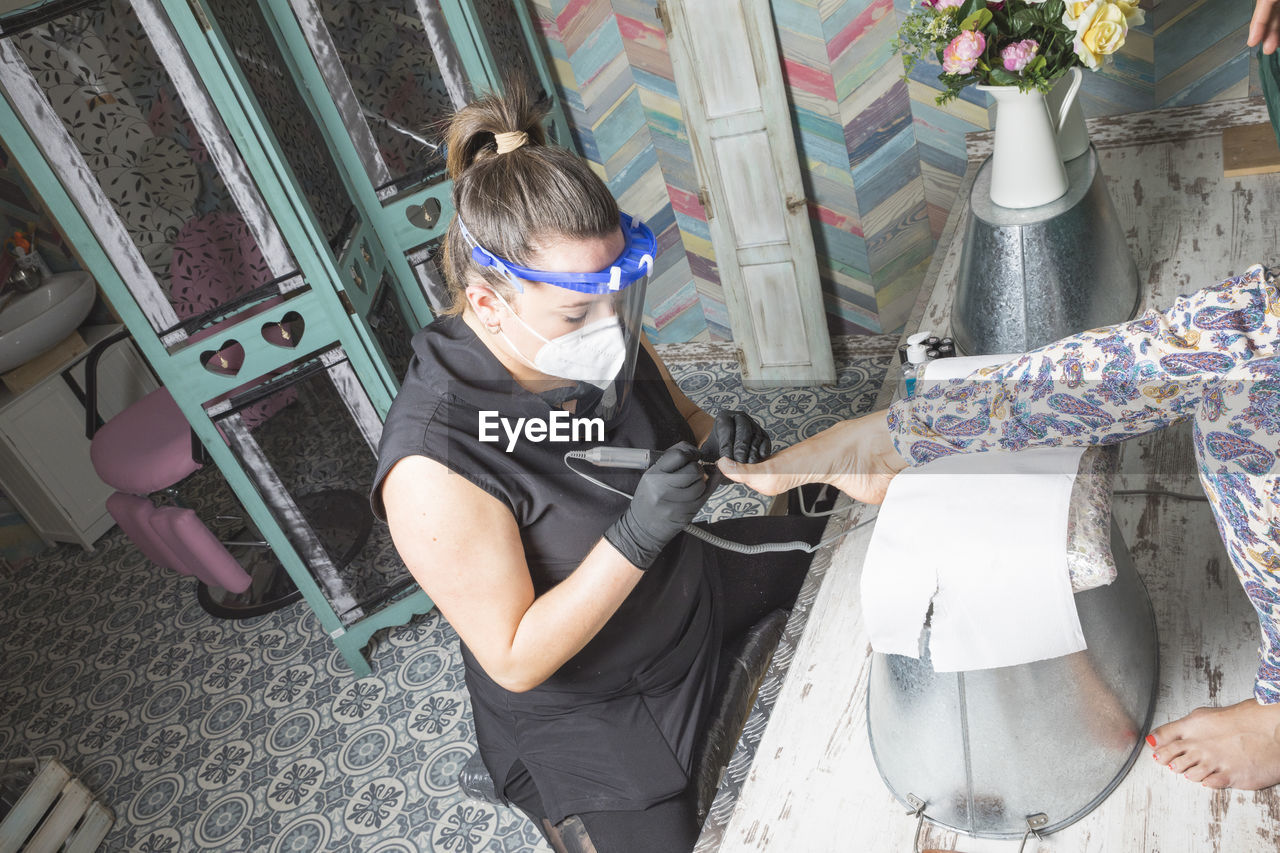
812,784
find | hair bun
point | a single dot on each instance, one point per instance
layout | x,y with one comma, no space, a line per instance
494,125
510,141
515,192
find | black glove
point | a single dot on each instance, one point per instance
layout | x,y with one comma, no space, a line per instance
737,436
669,495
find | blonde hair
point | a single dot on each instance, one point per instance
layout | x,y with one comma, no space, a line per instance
514,202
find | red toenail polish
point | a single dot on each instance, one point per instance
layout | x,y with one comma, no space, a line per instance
1151,740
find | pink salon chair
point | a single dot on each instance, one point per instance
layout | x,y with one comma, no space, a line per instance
145,449
149,447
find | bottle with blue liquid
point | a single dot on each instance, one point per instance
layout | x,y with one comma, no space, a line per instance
915,355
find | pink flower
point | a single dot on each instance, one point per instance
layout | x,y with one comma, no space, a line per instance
1017,55
948,4
961,56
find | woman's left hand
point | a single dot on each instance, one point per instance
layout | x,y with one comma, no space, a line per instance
736,435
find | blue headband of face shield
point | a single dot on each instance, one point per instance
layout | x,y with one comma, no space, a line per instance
635,262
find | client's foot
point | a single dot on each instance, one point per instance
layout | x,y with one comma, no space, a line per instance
1233,747
1108,719
857,457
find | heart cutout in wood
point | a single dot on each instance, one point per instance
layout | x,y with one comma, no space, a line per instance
425,215
226,360
285,332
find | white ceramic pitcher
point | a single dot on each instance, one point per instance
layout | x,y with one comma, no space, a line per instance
1026,163
1073,134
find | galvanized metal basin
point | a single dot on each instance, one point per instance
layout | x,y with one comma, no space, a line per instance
1032,276
985,750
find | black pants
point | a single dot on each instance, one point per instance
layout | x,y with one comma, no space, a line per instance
750,586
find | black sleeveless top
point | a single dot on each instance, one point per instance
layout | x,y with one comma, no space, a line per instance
614,727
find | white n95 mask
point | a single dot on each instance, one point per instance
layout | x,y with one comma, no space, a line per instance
603,354
593,354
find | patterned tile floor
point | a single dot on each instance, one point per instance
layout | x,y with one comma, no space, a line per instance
205,734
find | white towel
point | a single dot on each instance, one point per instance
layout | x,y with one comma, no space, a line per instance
982,537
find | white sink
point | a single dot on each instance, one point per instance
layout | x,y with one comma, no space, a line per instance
34,323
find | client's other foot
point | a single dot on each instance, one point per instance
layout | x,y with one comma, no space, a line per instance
857,457
1108,719
1233,747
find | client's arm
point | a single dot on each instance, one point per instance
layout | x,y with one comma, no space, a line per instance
1097,387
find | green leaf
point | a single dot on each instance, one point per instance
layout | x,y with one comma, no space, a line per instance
977,20
1021,21
1001,77
969,7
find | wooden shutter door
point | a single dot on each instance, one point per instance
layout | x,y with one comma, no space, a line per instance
729,77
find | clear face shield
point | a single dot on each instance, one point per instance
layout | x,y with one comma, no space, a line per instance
588,323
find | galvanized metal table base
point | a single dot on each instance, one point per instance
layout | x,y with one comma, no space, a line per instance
985,751
1030,277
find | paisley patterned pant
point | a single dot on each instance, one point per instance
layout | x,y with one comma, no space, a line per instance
1213,358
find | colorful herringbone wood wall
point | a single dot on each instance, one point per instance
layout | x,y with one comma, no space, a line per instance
881,160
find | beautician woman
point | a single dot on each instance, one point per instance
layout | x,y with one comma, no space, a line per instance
590,625
1214,359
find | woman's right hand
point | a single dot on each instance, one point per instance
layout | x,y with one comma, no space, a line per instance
855,456
667,498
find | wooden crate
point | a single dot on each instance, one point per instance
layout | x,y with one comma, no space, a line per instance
28,375
56,809
1249,149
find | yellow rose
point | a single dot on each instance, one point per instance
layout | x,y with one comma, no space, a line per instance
1133,16
1074,9
1100,32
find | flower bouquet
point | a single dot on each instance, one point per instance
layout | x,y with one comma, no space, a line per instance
1023,43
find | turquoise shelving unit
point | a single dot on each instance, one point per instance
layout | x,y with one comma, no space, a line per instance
351,296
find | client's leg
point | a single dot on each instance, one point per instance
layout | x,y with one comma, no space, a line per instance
1109,720
1236,441
1237,746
